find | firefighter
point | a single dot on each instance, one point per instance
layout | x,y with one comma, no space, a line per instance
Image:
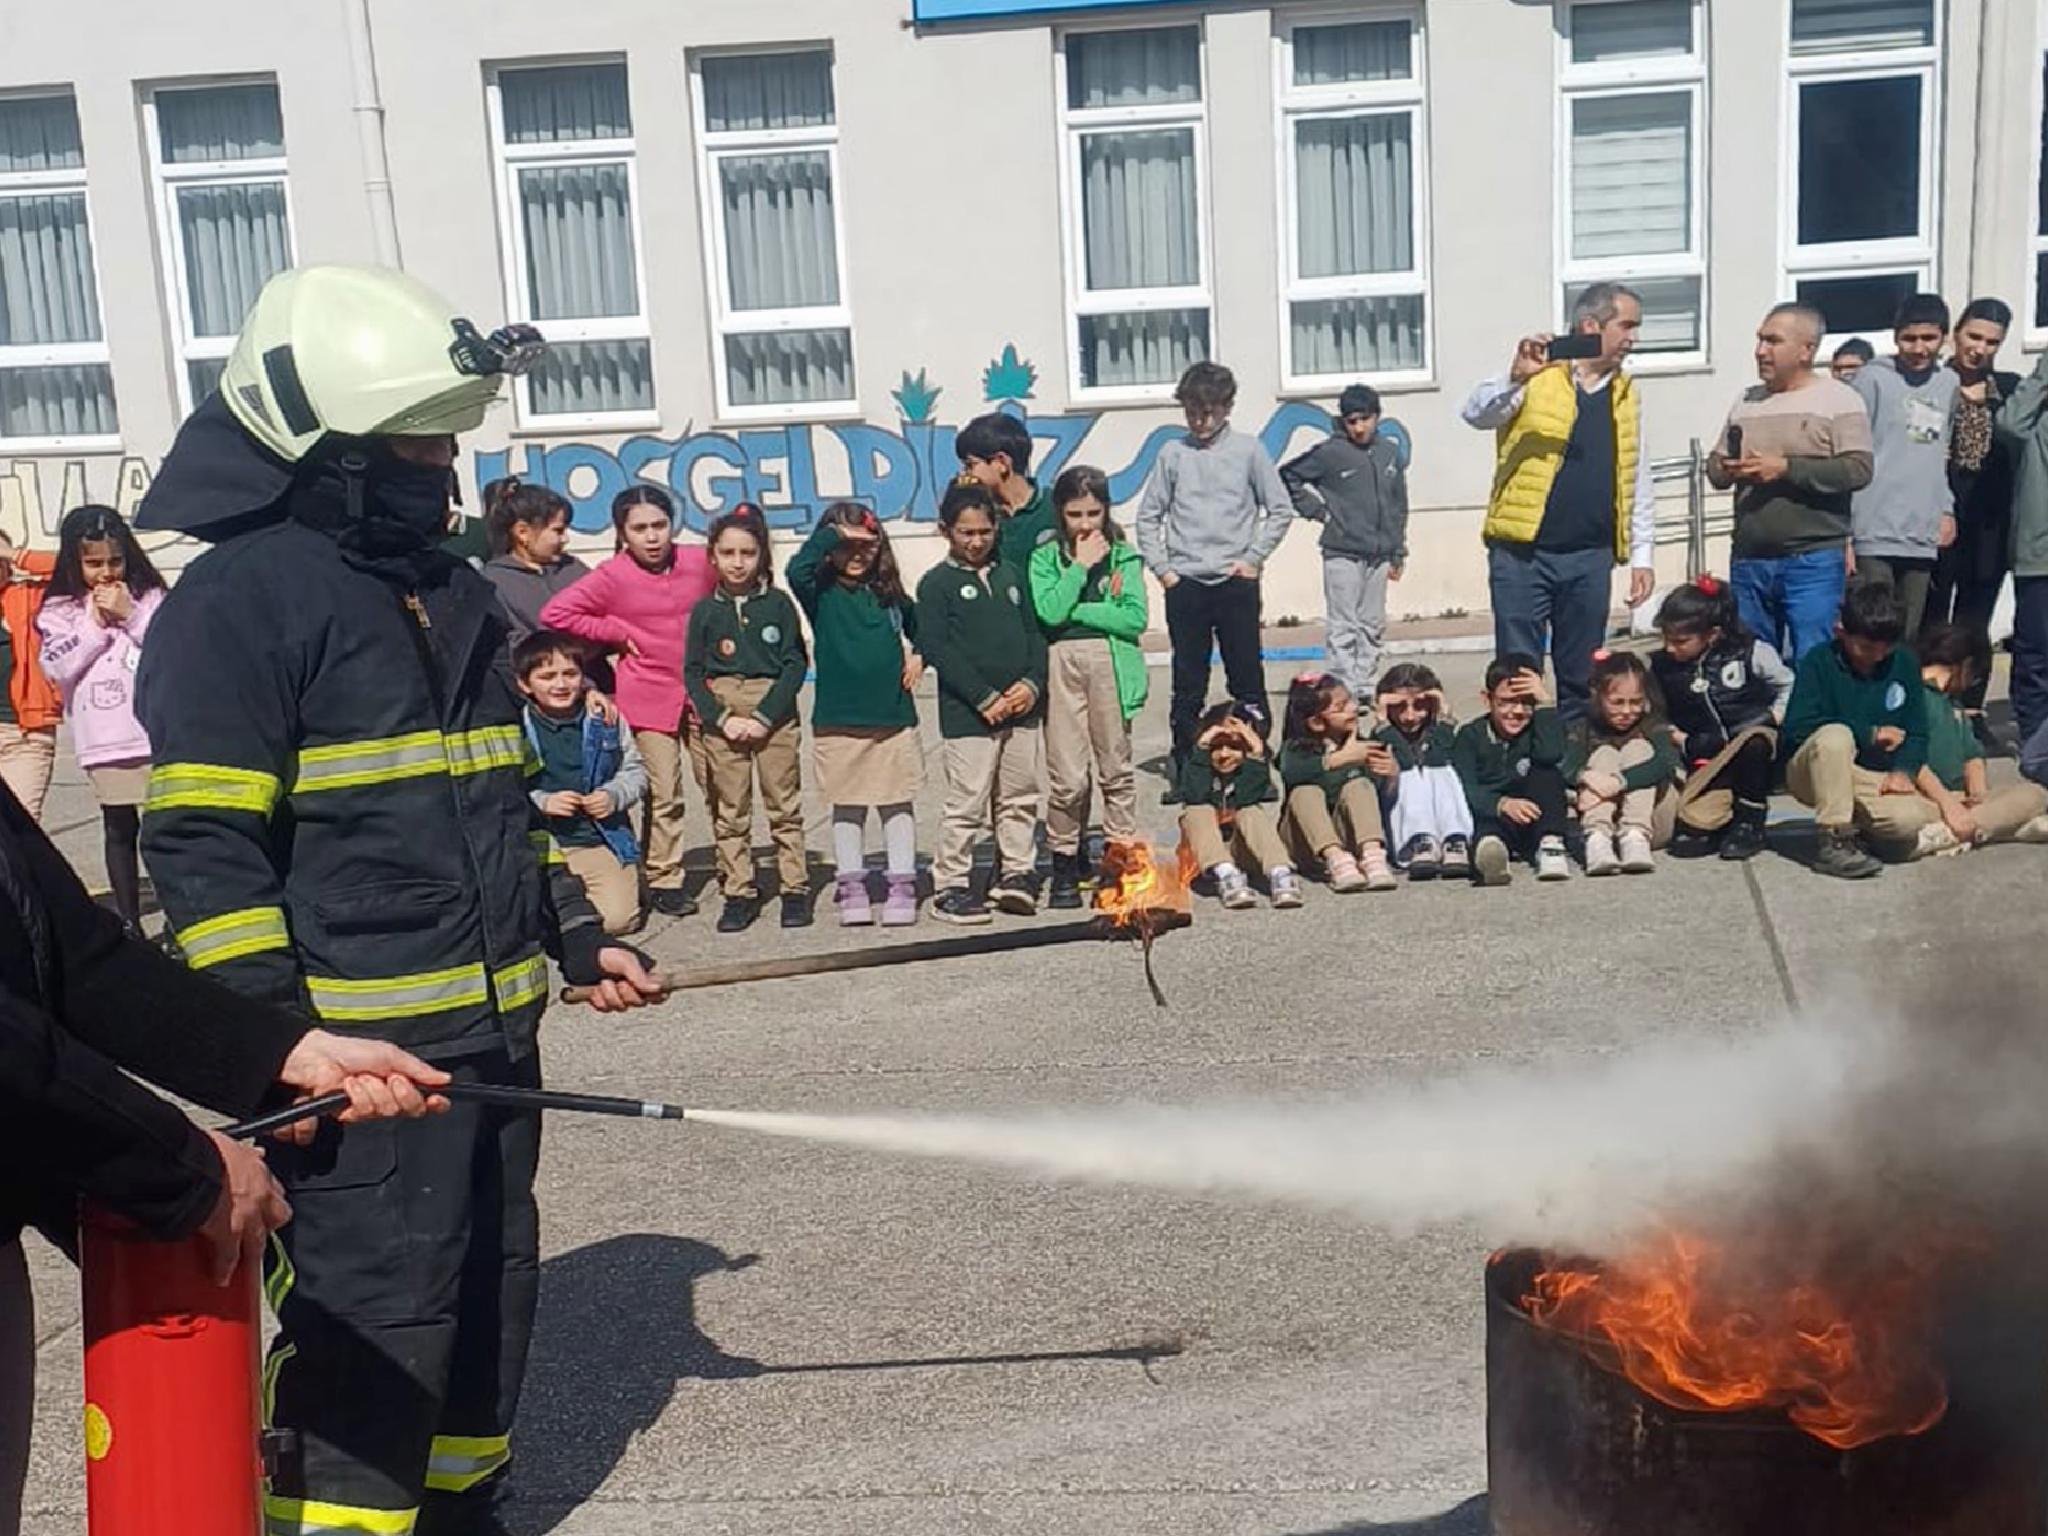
338,821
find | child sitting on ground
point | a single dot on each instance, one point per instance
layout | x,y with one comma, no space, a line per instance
1958,807
589,779
1621,766
1511,762
1856,734
1332,809
1724,694
1426,806
1226,792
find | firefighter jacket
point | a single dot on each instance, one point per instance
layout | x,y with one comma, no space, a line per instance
338,817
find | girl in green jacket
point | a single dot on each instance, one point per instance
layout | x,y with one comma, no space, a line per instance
1088,586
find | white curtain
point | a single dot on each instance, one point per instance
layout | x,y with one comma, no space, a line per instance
1355,194
781,248
236,238
565,104
203,373
1671,311
1147,347
220,122
1140,209
589,377
57,402
47,292
1834,26
1631,29
579,241
1631,175
789,367
760,91
1352,52
1149,68
1362,335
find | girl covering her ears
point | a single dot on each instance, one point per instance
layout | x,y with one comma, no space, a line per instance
1621,766
1333,807
864,746
1724,693
1427,811
639,603
94,617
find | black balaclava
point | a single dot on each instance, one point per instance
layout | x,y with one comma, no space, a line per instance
384,511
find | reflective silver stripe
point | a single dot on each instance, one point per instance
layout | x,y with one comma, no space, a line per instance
458,1463
233,935
521,982
343,765
492,746
398,997
211,786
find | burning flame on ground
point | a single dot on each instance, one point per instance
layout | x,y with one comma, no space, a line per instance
1136,885
1848,1358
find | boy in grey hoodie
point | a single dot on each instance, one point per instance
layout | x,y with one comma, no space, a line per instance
1906,515
1353,484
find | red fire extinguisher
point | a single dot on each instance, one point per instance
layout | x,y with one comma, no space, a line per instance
171,1425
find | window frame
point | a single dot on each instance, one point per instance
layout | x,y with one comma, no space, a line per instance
710,151
166,180
66,354
1293,104
1919,255
2034,334
1687,75
507,161
1074,127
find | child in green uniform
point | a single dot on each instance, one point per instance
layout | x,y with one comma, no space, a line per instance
1333,808
1427,812
1511,762
979,632
743,662
1623,768
1226,789
996,450
864,746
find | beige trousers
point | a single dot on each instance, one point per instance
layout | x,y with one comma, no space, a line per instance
27,759
1084,727
1654,811
990,779
1823,774
613,888
1251,841
661,840
1311,828
728,771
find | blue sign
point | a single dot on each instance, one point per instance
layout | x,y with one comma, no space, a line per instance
979,10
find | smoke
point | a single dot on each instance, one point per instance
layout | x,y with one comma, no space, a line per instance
1840,1108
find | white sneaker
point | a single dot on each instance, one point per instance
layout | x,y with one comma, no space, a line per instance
1551,864
2034,831
1490,862
1284,885
1636,858
1936,839
1233,888
1600,856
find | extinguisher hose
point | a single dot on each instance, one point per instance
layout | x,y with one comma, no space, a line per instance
474,1093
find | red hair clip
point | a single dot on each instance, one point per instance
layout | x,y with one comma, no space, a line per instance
1307,679
1603,654
1711,585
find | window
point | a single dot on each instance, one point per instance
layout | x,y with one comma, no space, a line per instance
1133,178
2038,324
56,389
570,234
1631,207
1352,189
1862,153
224,213
768,146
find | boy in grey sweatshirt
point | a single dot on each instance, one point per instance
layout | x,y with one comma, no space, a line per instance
1906,515
1353,484
1213,511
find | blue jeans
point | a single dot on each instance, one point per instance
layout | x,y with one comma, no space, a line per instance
2029,655
1540,595
1791,602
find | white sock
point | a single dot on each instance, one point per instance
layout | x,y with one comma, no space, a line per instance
849,828
899,838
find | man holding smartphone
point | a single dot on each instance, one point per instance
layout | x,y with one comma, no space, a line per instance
1571,488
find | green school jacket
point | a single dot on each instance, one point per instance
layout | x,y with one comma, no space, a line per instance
1201,784
980,637
756,636
858,641
1489,766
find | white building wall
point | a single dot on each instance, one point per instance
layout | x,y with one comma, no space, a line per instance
949,140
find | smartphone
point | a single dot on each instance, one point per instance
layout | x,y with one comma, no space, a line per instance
1734,443
1576,347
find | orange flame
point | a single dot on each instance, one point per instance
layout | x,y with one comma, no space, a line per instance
1847,1358
1135,885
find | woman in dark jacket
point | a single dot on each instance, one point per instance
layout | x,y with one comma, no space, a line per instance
80,1001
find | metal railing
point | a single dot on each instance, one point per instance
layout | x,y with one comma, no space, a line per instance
1697,523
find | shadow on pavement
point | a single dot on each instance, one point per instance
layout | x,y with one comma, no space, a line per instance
1468,1519
617,1331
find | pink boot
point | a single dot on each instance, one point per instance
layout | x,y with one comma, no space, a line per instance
850,895
900,910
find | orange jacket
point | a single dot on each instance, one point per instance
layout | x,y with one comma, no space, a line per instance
35,702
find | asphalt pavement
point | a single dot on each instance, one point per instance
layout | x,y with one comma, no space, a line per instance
749,1336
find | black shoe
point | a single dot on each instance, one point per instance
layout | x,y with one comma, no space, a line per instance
1013,894
796,911
739,914
959,905
1744,838
670,901
1084,867
1843,857
1171,794
1064,894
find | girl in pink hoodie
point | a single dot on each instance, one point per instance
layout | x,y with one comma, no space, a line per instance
638,603
100,601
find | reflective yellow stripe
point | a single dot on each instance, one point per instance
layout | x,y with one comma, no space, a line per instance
233,935
398,997
493,746
545,849
345,764
310,1517
532,762
279,1277
272,1369
458,1463
208,786
520,983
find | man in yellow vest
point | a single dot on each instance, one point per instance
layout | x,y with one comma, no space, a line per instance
1571,491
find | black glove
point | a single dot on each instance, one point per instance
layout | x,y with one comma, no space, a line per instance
580,947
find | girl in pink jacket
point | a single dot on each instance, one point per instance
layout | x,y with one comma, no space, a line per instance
100,601
638,604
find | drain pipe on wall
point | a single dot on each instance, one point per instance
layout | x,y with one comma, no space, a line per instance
369,111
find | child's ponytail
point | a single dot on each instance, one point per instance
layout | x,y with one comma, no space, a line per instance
1307,697
1700,607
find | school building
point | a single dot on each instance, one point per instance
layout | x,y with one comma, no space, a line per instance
783,250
